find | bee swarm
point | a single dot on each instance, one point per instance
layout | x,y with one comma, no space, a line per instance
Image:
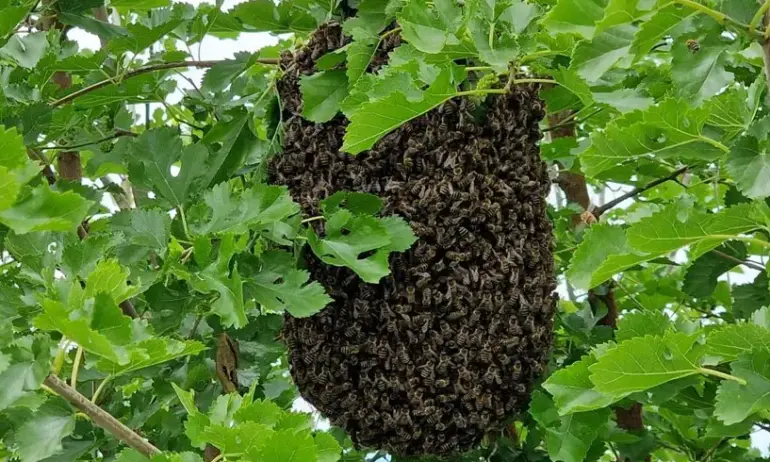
447,347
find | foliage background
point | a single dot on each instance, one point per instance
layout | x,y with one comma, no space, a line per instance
634,77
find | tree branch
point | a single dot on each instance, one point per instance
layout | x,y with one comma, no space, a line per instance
101,417
119,133
636,191
144,70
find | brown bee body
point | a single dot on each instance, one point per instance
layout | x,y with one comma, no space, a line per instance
442,350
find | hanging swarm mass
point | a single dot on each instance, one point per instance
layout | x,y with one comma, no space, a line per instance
445,348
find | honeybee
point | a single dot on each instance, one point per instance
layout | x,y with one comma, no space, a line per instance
693,46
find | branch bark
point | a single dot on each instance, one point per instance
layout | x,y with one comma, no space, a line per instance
144,70
101,417
636,191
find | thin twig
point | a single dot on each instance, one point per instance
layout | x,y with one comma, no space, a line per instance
144,70
572,121
636,191
100,417
749,263
119,133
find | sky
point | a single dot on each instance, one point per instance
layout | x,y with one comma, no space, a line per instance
212,48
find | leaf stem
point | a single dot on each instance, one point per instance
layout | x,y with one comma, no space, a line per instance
58,361
76,367
721,375
719,17
222,456
478,68
184,222
100,388
311,219
758,16
390,32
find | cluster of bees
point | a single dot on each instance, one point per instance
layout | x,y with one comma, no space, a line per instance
446,348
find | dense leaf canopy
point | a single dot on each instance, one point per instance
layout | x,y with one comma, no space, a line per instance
147,266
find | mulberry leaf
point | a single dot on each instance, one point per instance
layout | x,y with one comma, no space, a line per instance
41,435
749,163
347,238
430,28
641,323
42,209
322,94
375,119
736,402
700,280
730,341
646,362
573,390
279,286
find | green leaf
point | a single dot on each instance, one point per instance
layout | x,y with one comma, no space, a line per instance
573,390
221,75
492,33
358,203
139,4
72,324
592,59
665,232
112,279
30,364
142,37
187,398
92,25
288,446
266,16
567,438
645,362
41,209
733,110
263,412
41,435
349,236
430,29
359,55
575,16
599,242
701,75
736,402
12,152
322,94
280,287
661,24
326,447
152,156
25,50
568,79
375,119
700,280
255,208
217,278
749,164
669,129
749,298
151,352
145,228
731,341
624,100
641,323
